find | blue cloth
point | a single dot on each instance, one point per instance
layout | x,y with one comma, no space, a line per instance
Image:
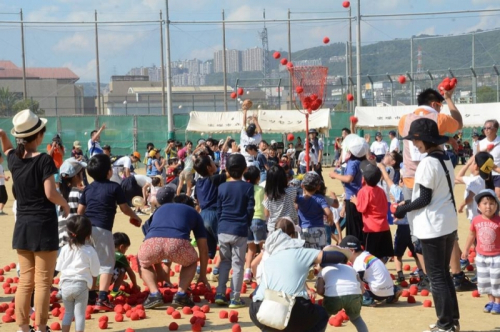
209,217
207,189
397,193
397,176
311,210
100,200
176,221
262,161
353,187
235,204
151,169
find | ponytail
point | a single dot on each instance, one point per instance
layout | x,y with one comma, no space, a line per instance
79,229
21,143
489,184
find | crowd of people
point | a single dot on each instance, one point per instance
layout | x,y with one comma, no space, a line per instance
243,202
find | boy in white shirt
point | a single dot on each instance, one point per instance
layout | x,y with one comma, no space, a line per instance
302,161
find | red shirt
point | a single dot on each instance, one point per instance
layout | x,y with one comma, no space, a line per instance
372,204
487,235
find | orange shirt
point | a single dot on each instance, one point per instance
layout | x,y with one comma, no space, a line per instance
57,155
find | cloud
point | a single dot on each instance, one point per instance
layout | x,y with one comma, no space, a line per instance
109,42
428,31
75,43
206,53
86,72
486,22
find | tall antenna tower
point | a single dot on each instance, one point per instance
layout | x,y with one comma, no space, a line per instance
265,47
419,60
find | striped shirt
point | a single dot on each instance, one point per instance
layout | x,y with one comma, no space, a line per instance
282,207
73,198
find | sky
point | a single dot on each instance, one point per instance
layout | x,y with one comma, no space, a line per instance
127,45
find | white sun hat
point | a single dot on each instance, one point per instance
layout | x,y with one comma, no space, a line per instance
27,123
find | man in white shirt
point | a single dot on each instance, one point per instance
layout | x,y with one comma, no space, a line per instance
475,143
491,144
94,145
121,167
379,148
394,141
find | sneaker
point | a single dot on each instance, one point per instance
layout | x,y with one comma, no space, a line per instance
182,301
2,213
395,297
463,284
118,293
488,307
247,277
221,299
495,310
105,305
234,304
399,280
464,263
140,213
435,328
424,283
415,273
474,279
368,301
153,301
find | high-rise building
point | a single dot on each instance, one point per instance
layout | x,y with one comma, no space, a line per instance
253,59
233,61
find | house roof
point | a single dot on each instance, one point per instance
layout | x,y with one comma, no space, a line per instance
9,70
179,89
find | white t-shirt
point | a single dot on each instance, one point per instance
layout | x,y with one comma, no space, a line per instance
302,158
378,148
245,140
118,166
340,280
94,147
439,218
376,274
290,153
142,179
394,145
495,153
2,179
78,263
475,146
473,183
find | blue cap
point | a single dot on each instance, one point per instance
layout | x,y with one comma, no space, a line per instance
71,167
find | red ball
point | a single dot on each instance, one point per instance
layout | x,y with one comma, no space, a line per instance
453,82
236,328
289,65
277,55
346,4
413,291
176,314
129,329
407,267
427,303
475,293
299,89
118,318
350,97
411,299
290,137
284,61
1,272
424,292
240,91
353,119
170,310
410,254
406,293
404,283
223,314
103,325
470,268
233,96
402,79
187,311
205,308
326,40
173,326
6,268
394,206
196,327
335,321
12,265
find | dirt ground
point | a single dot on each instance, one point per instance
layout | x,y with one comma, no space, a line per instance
400,317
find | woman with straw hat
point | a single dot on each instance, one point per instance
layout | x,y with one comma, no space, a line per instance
35,233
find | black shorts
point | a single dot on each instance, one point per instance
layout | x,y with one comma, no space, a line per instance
402,241
418,246
496,181
353,221
379,244
3,195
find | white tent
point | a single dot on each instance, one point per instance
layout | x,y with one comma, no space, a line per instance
270,121
473,115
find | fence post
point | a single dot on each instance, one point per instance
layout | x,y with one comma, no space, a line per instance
134,136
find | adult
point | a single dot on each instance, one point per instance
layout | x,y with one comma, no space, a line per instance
251,134
106,149
35,237
475,143
379,147
122,167
491,144
394,146
94,144
132,186
56,150
435,219
288,257
316,146
298,149
168,237
344,133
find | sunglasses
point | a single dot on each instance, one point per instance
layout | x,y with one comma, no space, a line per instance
488,128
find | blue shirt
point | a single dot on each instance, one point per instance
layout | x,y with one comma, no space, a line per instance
352,169
262,162
151,170
100,200
206,190
176,221
397,193
235,204
311,210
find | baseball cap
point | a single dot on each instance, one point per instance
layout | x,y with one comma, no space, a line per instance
166,194
484,193
371,173
136,154
152,153
311,179
378,133
236,161
485,163
77,144
474,134
392,132
106,147
358,147
351,242
71,167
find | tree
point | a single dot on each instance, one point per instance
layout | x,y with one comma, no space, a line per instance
486,94
7,101
33,105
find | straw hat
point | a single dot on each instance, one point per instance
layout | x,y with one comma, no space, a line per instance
138,201
27,123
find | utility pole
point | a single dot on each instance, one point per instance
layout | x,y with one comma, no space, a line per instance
358,56
412,82
474,78
224,63
25,93
350,105
99,109
290,88
163,110
170,112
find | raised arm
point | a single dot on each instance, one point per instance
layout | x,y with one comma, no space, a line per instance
257,125
98,134
455,114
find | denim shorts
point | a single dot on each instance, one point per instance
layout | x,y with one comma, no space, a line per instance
257,233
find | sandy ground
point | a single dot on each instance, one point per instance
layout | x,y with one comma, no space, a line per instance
400,317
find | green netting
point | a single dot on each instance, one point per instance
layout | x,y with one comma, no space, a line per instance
76,129
151,129
119,133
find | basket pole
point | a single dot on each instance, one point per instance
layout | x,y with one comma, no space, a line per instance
307,142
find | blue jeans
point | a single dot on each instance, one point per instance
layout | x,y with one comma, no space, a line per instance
263,176
437,254
209,217
257,233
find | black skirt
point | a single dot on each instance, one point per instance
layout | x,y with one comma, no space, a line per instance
36,233
379,244
354,221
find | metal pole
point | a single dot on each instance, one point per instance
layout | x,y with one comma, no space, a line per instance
350,106
346,74
279,94
170,111
99,109
25,93
498,81
412,84
358,56
163,109
289,59
224,62
474,78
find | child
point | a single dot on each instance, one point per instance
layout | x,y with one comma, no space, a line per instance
485,229
272,158
303,163
391,162
373,272
79,264
98,203
186,176
340,286
280,198
153,188
3,192
371,202
122,267
257,232
235,208
312,207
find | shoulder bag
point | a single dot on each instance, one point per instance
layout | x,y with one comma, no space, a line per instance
447,172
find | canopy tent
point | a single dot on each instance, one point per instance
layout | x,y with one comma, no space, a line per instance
270,121
473,115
